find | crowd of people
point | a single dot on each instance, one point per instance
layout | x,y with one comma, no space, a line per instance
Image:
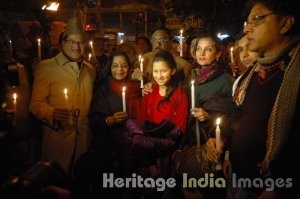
127,115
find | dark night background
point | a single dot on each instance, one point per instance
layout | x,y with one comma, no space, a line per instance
218,15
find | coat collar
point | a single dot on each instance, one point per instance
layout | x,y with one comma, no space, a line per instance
61,59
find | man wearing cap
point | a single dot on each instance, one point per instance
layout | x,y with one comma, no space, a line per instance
61,97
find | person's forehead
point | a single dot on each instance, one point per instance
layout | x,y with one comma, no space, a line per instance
119,58
194,41
258,9
159,33
205,41
76,37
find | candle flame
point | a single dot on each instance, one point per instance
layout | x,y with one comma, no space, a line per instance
66,91
192,82
124,88
15,96
39,40
231,49
140,56
91,43
52,7
218,121
181,31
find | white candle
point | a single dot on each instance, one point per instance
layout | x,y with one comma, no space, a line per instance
92,49
231,55
66,94
90,56
181,43
192,94
218,135
124,99
70,119
66,98
39,49
14,108
142,69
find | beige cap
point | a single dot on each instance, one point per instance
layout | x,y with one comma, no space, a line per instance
74,26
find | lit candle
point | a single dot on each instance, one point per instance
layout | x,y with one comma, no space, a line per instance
218,135
124,99
66,94
231,55
92,49
14,108
193,94
39,49
181,43
90,56
142,69
70,119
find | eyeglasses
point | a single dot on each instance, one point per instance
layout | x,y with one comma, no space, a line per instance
257,20
161,40
72,42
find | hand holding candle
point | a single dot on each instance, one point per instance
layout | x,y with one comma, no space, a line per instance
124,99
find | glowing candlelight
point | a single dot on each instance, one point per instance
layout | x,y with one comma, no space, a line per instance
124,99
142,69
92,49
14,108
231,55
90,56
181,43
66,94
70,120
39,49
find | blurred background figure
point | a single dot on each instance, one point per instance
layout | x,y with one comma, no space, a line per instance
18,142
244,58
131,51
161,40
143,45
175,47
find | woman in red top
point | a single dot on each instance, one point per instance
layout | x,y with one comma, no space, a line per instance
167,99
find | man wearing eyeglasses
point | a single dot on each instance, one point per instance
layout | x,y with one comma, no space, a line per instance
265,128
160,40
61,97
